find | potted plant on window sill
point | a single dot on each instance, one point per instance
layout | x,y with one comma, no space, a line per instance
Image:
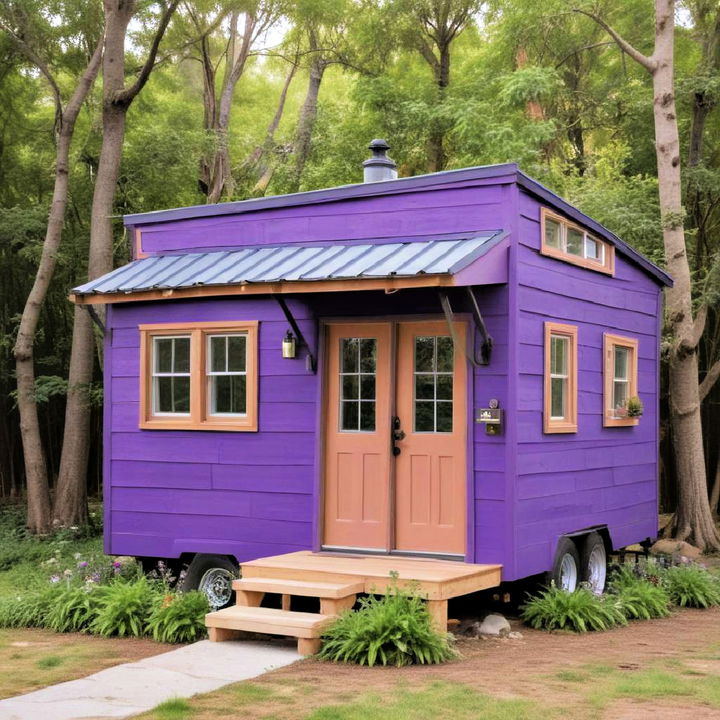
631,410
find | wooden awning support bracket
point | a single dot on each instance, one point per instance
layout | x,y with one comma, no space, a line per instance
487,342
310,360
95,318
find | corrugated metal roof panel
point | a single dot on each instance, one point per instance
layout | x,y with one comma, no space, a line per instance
294,262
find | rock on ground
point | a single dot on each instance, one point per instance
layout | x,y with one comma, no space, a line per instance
673,547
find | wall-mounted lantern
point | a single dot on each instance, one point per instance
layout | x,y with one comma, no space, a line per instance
288,346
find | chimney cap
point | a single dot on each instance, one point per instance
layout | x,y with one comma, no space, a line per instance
379,167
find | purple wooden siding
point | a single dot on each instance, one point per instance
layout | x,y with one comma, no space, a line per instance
460,207
598,475
245,494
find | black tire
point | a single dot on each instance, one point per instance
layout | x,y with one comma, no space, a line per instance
565,555
213,575
593,562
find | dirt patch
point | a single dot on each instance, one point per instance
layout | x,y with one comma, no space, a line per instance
31,659
553,669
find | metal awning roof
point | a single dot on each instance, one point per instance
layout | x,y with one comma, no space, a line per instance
298,265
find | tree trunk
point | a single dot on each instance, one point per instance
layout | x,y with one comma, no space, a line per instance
38,493
693,520
306,122
71,495
437,157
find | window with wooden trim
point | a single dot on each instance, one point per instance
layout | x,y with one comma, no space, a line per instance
620,374
560,404
564,240
199,376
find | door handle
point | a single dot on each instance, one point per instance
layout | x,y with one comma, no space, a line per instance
396,435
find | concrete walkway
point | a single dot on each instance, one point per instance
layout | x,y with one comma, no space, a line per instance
132,688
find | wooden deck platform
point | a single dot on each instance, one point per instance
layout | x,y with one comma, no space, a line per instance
336,579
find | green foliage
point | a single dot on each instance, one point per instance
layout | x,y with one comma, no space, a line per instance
579,611
124,607
73,608
691,586
634,407
639,598
179,618
28,610
392,629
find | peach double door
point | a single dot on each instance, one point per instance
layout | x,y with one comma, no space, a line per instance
395,438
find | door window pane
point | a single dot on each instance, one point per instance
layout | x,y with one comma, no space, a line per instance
358,366
171,375
433,386
227,374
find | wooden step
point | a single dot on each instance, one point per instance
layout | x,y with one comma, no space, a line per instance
270,621
305,588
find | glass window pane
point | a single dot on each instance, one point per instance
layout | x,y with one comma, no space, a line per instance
558,355
552,234
368,350
425,387
350,387
349,349
367,416
163,354
237,353
238,394
182,355
367,387
218,358
444,354
620,394
593,249
181,394
557,397
575,240
622,356
445,387
424,416
444,417
220,393
163,394
424,354
349,417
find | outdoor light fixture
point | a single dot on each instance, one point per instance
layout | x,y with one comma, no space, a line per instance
288,345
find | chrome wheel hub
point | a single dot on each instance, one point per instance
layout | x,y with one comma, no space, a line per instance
568,573
216,583
597,569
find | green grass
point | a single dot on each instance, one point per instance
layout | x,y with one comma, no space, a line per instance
50,661
173,709
438,699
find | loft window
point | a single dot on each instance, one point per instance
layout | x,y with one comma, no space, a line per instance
560,378
566,241
620,374
198,376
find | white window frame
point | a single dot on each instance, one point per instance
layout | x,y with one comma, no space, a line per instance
210,374
156,375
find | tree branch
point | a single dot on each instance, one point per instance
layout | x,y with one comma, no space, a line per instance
709,380
699,325
128,95
648,63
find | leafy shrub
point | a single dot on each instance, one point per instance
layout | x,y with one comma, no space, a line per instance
179,618
580,611
691,586
73,609
394,629
640,598
123,608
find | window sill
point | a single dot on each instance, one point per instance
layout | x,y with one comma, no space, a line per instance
621,422
559,427
163,424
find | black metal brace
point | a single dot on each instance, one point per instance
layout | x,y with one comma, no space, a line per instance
95,318
311,361
487,341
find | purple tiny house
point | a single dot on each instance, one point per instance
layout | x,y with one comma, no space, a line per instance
444,366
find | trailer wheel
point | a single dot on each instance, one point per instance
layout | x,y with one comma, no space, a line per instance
566,568
212,575
594,563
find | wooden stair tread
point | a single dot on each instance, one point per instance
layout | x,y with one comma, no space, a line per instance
307,588
270,621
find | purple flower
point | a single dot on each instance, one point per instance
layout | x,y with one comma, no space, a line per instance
82,564
117,564
55,579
